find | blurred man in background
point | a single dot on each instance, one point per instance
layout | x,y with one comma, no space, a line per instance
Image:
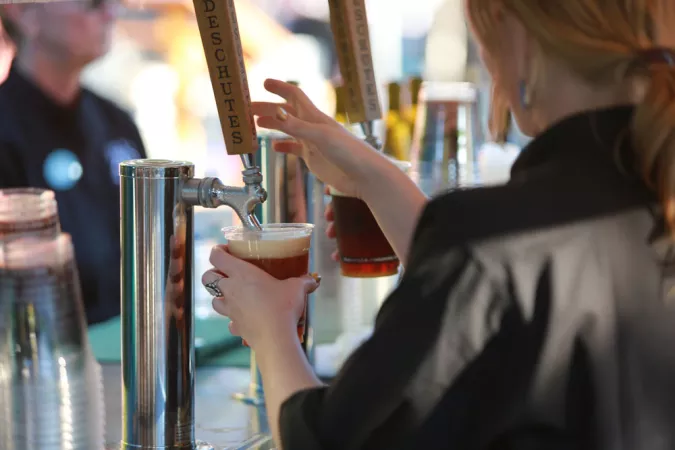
55,134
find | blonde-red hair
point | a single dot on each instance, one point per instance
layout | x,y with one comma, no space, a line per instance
602,41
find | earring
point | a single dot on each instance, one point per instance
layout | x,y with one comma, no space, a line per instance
525,95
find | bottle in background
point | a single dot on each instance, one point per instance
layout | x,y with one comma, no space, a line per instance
410,114
340,107
397,137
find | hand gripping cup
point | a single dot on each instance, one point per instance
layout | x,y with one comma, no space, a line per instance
282,250
364,250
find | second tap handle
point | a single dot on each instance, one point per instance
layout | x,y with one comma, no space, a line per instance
349,23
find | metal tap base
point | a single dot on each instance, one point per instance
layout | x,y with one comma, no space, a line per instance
198,446
158,343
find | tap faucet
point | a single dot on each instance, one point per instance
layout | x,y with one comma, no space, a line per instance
158,349
212,193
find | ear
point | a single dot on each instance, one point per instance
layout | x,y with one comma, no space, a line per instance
22,16
10,11
497,10
523,48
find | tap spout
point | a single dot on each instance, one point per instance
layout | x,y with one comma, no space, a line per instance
212,193
368,129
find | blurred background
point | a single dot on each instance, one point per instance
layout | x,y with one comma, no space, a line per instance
157,71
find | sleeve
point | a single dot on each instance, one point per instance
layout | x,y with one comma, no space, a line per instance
139,141
12,170
135,135
450,362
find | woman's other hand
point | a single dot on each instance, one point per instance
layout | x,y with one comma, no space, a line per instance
333,154
262,308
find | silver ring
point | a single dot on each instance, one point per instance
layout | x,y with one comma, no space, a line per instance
213,288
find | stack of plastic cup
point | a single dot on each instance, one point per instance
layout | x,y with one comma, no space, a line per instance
51,392
28,212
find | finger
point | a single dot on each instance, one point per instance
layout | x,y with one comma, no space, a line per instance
292,147
173,246
335,256
326,190
179,313
175,271
234,331
288,92
176,289
307,283
330,231
269,109
212,275
291,125
329,212
221,307
227,264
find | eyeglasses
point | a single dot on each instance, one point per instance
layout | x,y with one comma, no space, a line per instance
95,5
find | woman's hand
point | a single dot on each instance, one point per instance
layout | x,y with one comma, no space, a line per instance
262,308
331,152
343,161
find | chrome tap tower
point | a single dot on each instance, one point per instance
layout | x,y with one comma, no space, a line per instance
158,352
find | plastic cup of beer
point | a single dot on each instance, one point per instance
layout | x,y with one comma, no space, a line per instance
363,247
281,250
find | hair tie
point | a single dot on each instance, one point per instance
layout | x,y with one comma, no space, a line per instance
656,56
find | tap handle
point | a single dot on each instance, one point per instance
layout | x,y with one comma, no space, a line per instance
349,23
219,30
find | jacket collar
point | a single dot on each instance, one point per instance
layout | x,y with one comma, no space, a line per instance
589,136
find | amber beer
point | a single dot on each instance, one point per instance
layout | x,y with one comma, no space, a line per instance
364,250
282,250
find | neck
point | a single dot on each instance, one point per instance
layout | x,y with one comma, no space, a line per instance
57,79
572,96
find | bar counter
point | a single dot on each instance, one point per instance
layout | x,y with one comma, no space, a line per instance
220,420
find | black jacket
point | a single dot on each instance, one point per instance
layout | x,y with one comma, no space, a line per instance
535,315
74,151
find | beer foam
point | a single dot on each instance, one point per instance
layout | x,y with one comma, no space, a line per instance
275,241
36,252
26,204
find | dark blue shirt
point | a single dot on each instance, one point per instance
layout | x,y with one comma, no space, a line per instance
75,151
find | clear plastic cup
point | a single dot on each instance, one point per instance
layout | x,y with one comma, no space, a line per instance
364,250
51,392
282,250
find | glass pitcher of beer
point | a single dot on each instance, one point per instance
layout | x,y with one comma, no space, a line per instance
363,248
280,249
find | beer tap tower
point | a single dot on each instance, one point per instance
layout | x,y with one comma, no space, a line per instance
158,196
349,23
